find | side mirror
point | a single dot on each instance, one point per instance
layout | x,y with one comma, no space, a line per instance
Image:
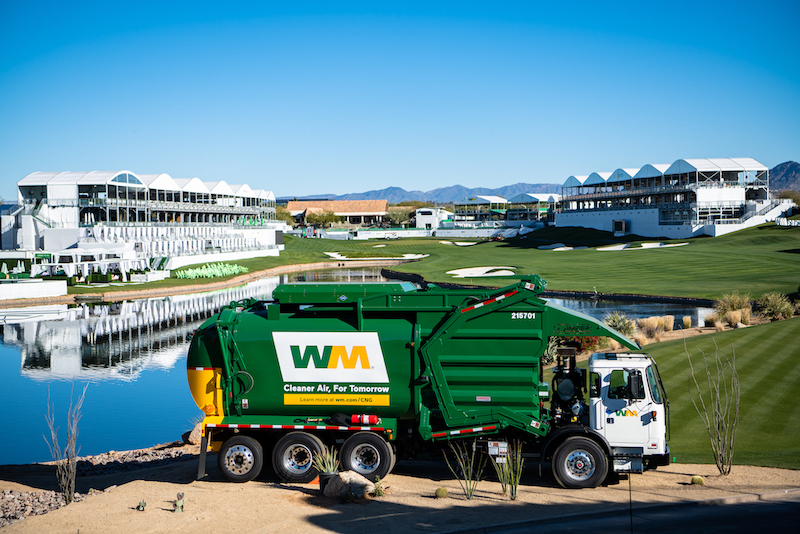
635,386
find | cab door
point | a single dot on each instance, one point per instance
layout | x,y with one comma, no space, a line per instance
624,405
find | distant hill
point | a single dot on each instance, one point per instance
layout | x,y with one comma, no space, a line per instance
785,176
442,195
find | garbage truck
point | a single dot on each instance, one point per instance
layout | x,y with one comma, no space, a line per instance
381,370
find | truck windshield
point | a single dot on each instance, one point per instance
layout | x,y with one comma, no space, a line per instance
654,383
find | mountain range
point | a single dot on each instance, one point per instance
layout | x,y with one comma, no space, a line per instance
783,176
441,195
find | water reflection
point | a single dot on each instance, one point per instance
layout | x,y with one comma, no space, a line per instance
114,341
117,341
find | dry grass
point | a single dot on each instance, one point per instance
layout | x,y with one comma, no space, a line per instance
746,315
687,322
711,319
650,326
733,317
669,322
614,344
719,326
641,339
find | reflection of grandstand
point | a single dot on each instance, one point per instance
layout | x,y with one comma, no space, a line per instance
114,341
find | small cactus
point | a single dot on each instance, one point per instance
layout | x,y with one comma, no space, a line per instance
178,504
441,493
141,506
698,480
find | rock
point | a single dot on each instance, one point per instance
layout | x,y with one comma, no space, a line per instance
193,437
348,482
740,325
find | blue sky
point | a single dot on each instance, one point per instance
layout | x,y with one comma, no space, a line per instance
336,97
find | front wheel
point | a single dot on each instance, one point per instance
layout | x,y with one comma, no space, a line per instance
368,455
580,463
293,457
240,458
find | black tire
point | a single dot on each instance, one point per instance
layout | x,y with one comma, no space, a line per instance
293,457
240,459
368,455
580,463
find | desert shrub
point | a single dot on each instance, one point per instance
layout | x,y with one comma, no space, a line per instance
733,317
746,315
650,326
613,344
719,326
710,319
621,323
441,493
731,301
641,339
775,306
687,322
581,343
669,323
465,466
549,354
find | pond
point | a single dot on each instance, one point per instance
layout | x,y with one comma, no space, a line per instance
132,357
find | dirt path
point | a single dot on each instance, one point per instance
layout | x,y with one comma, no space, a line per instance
264,505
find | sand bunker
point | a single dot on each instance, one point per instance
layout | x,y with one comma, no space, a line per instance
477,272
465,243
339,256
644,246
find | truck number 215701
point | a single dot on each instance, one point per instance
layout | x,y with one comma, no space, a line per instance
523,315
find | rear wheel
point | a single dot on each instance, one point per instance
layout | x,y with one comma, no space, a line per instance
293,457
240,458
368,455
580,463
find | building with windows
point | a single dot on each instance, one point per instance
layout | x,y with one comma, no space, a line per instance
690,197
84,222
351,212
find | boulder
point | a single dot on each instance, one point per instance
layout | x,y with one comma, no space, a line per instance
193,437
348,482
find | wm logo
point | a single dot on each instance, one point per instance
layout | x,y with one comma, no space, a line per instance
356,357
330,357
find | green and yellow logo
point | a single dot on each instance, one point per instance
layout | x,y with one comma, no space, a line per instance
331,357
355,357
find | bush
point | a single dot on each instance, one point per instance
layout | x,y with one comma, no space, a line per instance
746,313
441,493
733,317
775,306
650,326
711,319
719,326
687,322
669,323
621,323
641,339
730,302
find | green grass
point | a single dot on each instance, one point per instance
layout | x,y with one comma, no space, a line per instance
755,261
768,363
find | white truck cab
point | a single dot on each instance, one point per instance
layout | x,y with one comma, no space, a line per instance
628,406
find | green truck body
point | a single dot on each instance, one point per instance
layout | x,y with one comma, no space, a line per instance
343,364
